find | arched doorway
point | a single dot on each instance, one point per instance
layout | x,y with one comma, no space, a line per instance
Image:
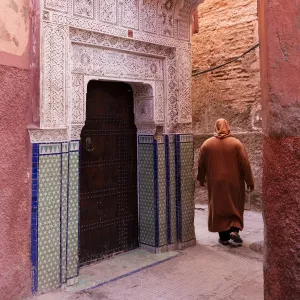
108,172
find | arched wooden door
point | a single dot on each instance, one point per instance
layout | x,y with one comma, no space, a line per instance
108,173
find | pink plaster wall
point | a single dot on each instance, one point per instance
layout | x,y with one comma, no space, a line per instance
15,277
279,23
17,85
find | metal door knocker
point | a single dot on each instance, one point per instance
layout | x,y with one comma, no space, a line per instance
88,145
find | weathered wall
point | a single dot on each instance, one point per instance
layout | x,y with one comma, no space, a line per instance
15,276
14,33
280,72
226,30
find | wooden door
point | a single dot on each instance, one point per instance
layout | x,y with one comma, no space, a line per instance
108,173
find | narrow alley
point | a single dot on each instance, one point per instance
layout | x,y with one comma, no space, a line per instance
208,271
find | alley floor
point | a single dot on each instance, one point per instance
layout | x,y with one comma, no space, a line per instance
208,271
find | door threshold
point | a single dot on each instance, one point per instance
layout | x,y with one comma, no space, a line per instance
117,267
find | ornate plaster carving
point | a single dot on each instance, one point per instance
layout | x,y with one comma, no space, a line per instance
146,129
143,102
48,135
54,56
82,38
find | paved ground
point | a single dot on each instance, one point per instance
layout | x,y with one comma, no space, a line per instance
208,271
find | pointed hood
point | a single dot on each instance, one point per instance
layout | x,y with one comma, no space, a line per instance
222,129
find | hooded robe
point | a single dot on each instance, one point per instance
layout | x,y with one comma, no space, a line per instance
224,165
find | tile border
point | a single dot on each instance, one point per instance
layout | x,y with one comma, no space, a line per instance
34,217
168,196
156,192
145,139
178,187
41,150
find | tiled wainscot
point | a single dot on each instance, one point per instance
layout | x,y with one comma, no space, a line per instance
166,197
54,240
166,205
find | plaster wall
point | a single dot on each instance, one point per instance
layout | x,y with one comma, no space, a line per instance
15,276
280,70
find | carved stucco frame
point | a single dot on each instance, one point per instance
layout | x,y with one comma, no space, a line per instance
146,127
70,131
178,120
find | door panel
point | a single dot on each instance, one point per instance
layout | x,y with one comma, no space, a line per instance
108,173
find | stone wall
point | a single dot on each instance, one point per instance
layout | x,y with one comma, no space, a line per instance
226,30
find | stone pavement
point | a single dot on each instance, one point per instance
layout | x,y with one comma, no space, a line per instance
208,271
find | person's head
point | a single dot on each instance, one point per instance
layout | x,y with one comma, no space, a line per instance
222,128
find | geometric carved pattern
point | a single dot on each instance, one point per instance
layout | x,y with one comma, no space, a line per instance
146,129
84,8
53,89
106,23
148,18
144,109
108,11
54,135
183,24
120,43
143,102
168,17
159,102
111,63
59,5
75,132
78,105
130,18
172,92
185,112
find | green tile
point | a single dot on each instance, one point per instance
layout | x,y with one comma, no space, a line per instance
162,195
146,194
50,148
49,222
187,190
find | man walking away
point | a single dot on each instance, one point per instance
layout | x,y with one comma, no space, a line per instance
224,165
